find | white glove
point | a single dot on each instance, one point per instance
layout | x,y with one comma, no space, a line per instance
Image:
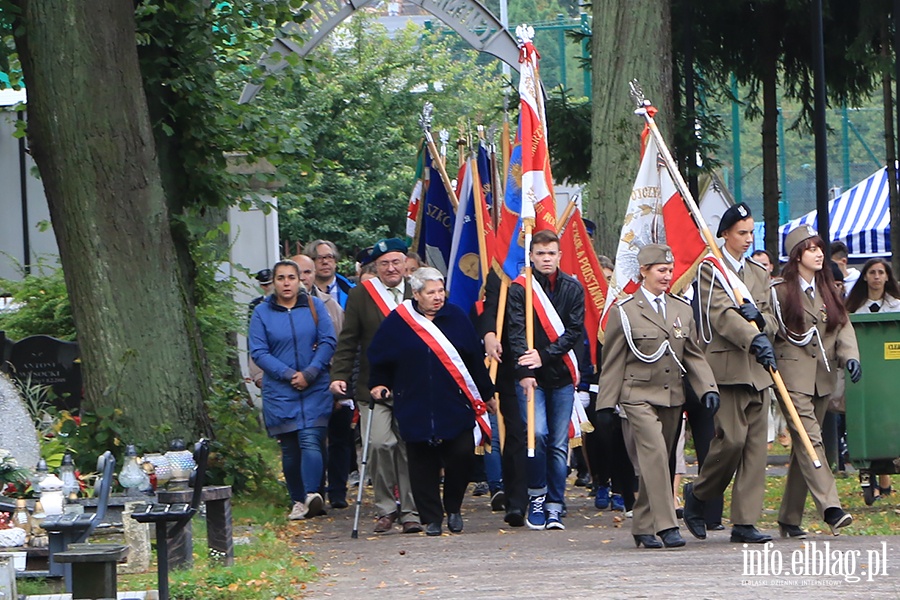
585,398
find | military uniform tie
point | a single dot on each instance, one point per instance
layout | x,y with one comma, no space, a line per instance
660,308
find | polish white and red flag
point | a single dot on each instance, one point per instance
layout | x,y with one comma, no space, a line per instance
538,200
656,214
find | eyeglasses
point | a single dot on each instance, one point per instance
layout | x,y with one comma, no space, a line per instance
322,257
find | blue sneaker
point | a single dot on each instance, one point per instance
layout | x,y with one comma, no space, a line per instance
618,503
536,519
601,499
554,520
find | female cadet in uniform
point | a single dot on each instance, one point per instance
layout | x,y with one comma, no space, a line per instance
814,340
650,346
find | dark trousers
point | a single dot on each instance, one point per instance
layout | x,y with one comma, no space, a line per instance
608,456
515,479
703,430
341,452
425,461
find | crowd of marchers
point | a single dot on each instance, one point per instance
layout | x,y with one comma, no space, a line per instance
376,379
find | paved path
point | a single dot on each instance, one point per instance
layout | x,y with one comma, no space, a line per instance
595,555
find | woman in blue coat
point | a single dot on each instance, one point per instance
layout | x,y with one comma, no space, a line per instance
292,340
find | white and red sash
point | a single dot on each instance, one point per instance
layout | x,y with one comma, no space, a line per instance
550,322
383,298
451,360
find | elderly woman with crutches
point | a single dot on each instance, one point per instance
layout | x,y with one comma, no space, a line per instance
427,355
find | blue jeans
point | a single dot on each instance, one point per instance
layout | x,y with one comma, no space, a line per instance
301,461
492,467
548,468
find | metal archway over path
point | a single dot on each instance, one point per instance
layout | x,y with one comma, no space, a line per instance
469,18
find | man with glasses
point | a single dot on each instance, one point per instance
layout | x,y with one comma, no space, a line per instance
325,255
367,306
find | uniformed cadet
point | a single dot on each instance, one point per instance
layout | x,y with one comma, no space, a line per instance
650,346
815,340
730,335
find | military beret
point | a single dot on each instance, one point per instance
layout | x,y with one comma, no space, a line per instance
589,226
364,256
736,213
388,245
798,235
264,277
654,254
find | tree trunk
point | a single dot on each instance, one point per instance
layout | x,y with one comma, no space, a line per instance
771,195
889,152
91,137
889,132
627,43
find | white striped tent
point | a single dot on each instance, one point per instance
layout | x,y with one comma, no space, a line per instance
860,217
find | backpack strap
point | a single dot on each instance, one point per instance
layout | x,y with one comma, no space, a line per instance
312,310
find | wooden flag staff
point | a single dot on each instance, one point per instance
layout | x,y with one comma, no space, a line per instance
642,105
425,123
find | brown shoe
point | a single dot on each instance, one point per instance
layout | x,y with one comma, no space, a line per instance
412,527
784,438
385,523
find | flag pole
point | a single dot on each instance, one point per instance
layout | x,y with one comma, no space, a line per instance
478,197
642,105
462,144
528,226
567,215
494,365
496,185
505,149
425,123
417,233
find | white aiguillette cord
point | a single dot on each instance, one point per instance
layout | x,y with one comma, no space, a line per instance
647,358
798,339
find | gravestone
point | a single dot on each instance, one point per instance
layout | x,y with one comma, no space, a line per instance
17,432
6,345
46,361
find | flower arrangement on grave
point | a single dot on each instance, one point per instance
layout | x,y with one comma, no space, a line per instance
13,478
14,482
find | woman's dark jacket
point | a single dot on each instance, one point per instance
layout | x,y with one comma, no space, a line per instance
428,404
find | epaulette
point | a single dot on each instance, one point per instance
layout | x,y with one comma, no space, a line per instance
775,281
752,261
677,297
621,301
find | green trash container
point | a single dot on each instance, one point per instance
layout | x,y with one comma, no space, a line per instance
873,404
